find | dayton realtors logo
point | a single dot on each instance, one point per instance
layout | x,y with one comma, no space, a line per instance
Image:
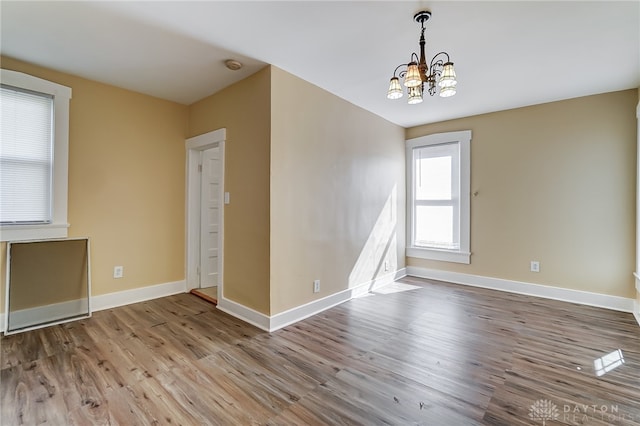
544,410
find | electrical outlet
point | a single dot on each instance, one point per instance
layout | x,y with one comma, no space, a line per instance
118,271
535,266
316,286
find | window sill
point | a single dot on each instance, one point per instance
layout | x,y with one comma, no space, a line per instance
441,255
33,232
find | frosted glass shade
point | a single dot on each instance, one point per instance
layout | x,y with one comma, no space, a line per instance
415,95
445,92
412,79
395,90
448,76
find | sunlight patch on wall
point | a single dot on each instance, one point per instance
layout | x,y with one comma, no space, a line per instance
378,256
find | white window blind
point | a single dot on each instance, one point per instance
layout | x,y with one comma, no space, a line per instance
26,156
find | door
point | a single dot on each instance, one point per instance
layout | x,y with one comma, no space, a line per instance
195,147
210,217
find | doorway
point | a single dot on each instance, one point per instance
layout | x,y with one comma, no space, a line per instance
205,215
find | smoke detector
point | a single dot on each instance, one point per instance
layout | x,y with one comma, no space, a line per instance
233,65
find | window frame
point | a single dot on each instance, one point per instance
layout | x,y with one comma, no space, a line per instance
463,254
59,193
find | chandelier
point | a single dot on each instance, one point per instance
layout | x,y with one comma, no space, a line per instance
417,74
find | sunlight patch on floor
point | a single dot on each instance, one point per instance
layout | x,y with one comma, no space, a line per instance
392,288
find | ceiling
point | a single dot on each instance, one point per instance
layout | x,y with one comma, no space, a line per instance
506,54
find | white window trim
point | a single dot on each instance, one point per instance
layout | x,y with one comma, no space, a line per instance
61,97
463,254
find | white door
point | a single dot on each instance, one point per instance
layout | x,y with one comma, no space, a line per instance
210,206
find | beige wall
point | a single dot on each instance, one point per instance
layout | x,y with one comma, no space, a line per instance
556,183
337,193
244,110
126,181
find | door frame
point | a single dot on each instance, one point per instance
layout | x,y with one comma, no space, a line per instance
194,147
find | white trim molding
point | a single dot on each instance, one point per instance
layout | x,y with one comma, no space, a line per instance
456,145
636,307
440,255
244,313
194,147
314,307
283,319
141,294
615,303
636,303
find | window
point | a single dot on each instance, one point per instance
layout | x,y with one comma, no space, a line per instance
438,176
34,143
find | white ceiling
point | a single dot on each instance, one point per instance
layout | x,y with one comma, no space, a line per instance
506,54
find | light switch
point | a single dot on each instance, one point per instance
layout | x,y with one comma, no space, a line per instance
226,198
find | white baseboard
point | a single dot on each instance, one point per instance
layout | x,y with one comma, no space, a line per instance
282,319
243,313
548,292
260,320
301,312
636,305
141,294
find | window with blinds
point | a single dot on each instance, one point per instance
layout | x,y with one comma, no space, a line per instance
34,157
26,156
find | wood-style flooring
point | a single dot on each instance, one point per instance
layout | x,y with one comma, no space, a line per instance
417,352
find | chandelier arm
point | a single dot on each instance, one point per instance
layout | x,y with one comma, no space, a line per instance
436,69
401,74
438,54
414,58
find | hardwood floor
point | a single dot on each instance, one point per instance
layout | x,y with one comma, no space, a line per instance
418,352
